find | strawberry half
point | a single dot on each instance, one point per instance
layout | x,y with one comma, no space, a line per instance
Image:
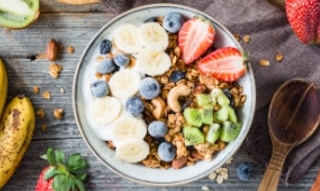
61,174
195,37
226,64
304,18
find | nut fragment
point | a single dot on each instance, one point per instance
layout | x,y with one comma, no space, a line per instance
40,113
70,49
246,38
279,57
159,107
54,70
58,113
46,94
52,50
264,62
44,127
36,89
179,162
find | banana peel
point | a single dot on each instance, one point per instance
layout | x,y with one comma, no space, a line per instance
16,131
3,85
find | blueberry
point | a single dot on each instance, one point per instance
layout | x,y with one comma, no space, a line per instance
173,22
121,60
149,88
99,88
167,151
176,76
105,46
157,129
244,171
134,106
106,66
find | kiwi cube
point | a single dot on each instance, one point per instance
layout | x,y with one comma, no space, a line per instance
193,116
232,115
221,115
207,115
204,99
193,136
221,98
230,131
213,133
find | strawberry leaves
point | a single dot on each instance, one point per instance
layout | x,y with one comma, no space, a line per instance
66,174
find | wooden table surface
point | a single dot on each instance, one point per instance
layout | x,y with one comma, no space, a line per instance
75,26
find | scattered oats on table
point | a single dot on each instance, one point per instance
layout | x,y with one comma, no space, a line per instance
219,175
43,127
246,38
36,89
264,62
70,49
46,94
58,113
54,70
41,113
205,188
279,57
62,90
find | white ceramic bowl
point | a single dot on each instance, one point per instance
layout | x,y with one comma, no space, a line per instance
136,172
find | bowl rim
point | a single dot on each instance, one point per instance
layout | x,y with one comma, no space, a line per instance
75,87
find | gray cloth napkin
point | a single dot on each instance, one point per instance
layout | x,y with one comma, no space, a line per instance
270,34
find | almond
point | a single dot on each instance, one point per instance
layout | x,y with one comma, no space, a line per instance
179,162
52,50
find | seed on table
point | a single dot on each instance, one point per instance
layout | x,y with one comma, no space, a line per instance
246,38
205,188
36,89
46,94
279,57
212,175
264,62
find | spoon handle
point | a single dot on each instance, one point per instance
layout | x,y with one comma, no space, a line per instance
273,172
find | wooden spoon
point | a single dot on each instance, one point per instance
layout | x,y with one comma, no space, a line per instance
294,114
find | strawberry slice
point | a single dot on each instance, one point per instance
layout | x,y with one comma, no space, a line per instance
195,37
226,64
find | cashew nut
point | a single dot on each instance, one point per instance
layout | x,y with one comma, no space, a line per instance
174,94
159,107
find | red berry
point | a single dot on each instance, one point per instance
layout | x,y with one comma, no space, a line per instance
195,37
226,64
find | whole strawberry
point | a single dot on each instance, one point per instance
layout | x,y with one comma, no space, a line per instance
61,174
304,18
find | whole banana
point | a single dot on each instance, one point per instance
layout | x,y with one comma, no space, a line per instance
16,131
3,86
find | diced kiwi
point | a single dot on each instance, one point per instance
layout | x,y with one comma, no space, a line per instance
232,115
221,115
193,136
230,131
213,133
17,14
207,114
204,99
193,116
221,98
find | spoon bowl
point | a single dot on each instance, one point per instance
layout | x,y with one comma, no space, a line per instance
294,115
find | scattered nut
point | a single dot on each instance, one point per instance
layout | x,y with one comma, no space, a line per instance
279,57
246,38
52,50
36,89
55,69
264,62
70,49
58,113
46,94
44,127
40,113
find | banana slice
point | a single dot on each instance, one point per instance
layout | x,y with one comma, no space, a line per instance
126,38
153,36
153,63
105,110
127,127
124,83
132,150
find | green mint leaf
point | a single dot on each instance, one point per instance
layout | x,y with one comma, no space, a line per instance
82,176
59,156
76,163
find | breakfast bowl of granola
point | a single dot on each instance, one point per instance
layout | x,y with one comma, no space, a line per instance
163,95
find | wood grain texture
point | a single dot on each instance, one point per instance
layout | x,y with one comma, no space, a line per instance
77,29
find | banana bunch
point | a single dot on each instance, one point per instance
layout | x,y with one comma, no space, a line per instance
16,129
